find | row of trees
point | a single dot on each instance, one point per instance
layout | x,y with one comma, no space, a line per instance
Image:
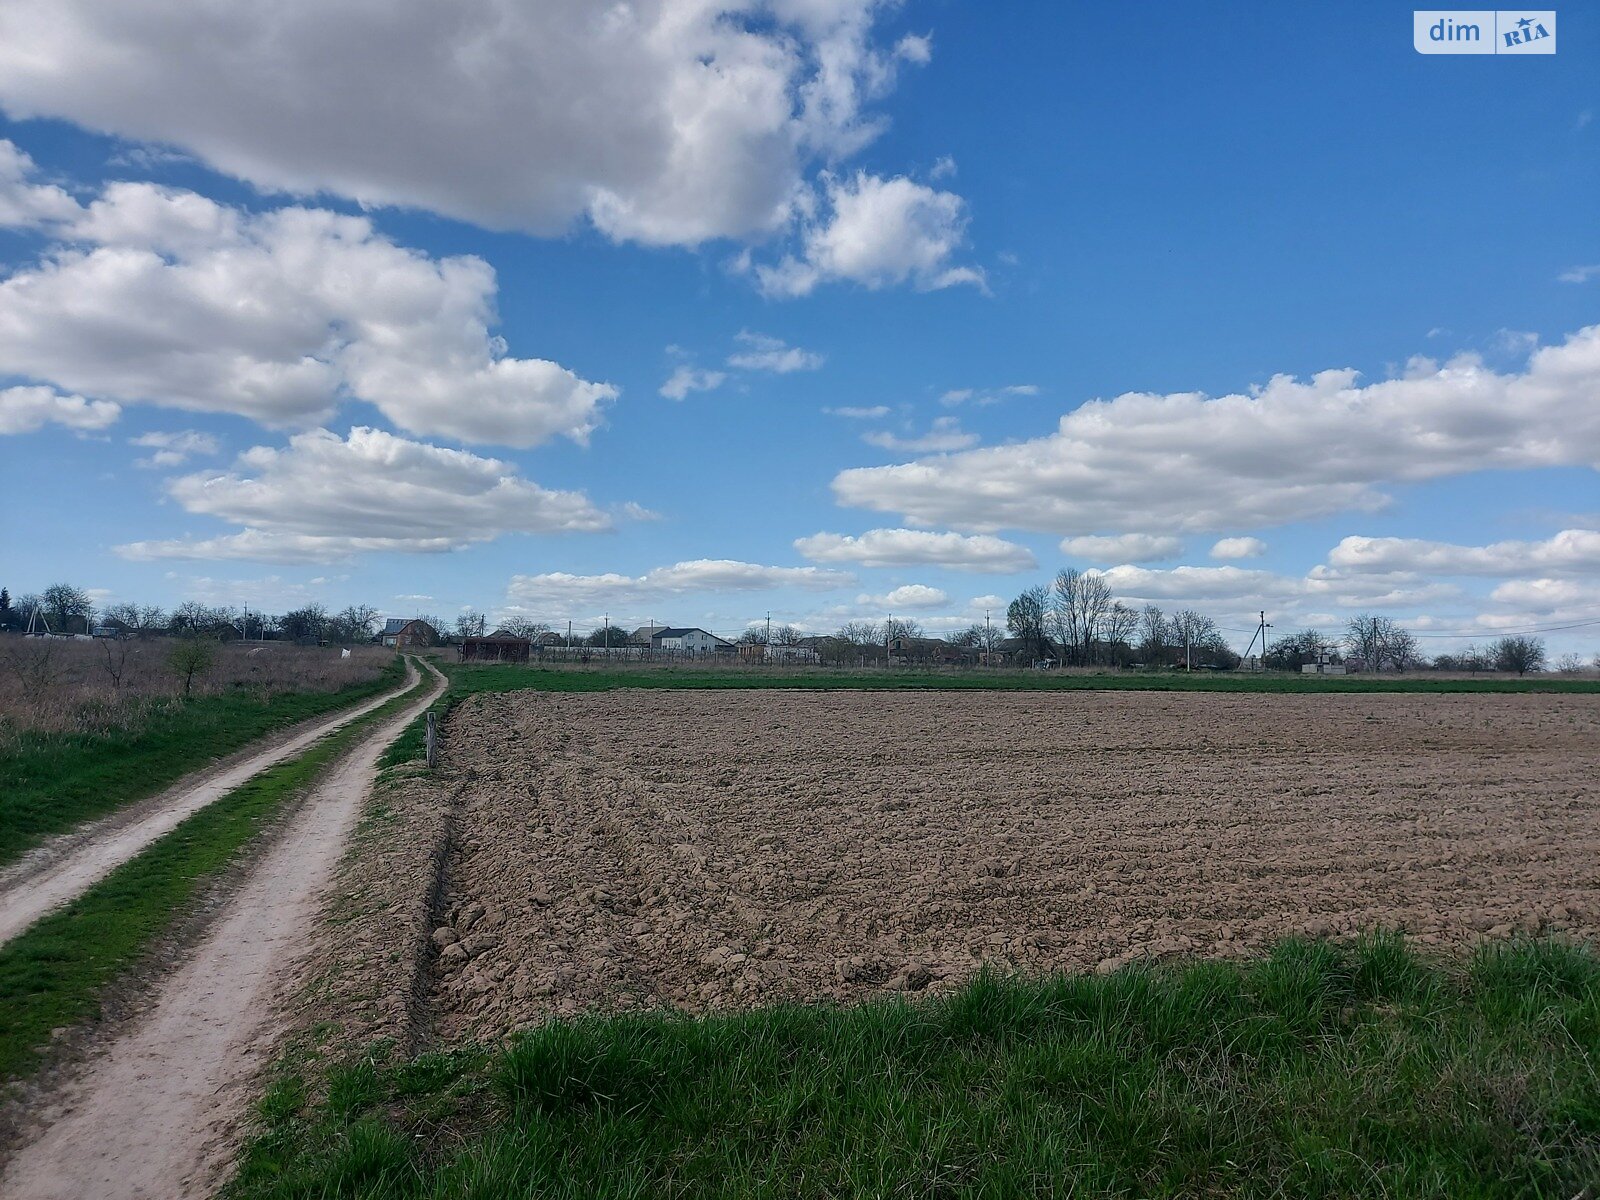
63,608
1076,620
1376,643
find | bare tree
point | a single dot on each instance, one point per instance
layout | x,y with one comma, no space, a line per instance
860,633
523,627
35,663
1570,664
68,608
1117,631
1401,649
786,635
141,620
901,627
354,624
1197,637
1028,620
1519,654
114,657
471,624
1155,635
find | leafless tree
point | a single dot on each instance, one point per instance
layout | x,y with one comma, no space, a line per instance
354,624
1155,635
523,627
861,633
35,663
1118,628
1401,649
1079,603
901,627
786,635
1028,619
1197,636
1367,637
1519,654
141,620
114,657
471,624
1570,664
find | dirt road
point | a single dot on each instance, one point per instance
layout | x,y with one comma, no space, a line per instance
66,867
152,1114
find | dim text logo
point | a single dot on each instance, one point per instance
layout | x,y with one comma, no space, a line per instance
1484,31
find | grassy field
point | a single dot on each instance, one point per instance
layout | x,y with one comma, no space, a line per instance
53,974
54,782
1324,1070
468,678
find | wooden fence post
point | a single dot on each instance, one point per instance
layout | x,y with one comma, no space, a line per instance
433,739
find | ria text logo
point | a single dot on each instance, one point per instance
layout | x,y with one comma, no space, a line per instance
1484,31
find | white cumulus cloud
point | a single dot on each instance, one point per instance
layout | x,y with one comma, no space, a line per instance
324,498
1238,547
659,121
1123,547
29,408
564,593
163,296
912,597
1286,451
686,379
877,233
174,448
1570,551
918,547
945,434
765,353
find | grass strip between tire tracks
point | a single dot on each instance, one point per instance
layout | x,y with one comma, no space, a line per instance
52,975
1323,1070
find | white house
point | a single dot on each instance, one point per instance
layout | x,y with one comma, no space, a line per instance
689,641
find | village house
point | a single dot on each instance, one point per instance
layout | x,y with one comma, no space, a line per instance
401,632
689,641
926,652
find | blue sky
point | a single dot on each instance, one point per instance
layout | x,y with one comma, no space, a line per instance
961,222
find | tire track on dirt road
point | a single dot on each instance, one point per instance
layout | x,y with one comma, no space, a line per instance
66,867
153,1114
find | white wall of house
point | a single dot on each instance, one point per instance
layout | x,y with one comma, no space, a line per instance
696,641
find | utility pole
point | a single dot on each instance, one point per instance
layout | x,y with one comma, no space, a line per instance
607,636
888,632
988,637
1188,664
1264,628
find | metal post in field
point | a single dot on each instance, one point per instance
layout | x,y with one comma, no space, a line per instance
433,738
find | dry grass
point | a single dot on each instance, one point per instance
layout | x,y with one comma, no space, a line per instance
50,686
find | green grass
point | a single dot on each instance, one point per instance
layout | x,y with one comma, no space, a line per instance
1321,1071
54,974
59,781
467,678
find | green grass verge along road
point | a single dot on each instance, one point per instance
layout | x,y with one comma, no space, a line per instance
59,781
53,975
1324,1070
